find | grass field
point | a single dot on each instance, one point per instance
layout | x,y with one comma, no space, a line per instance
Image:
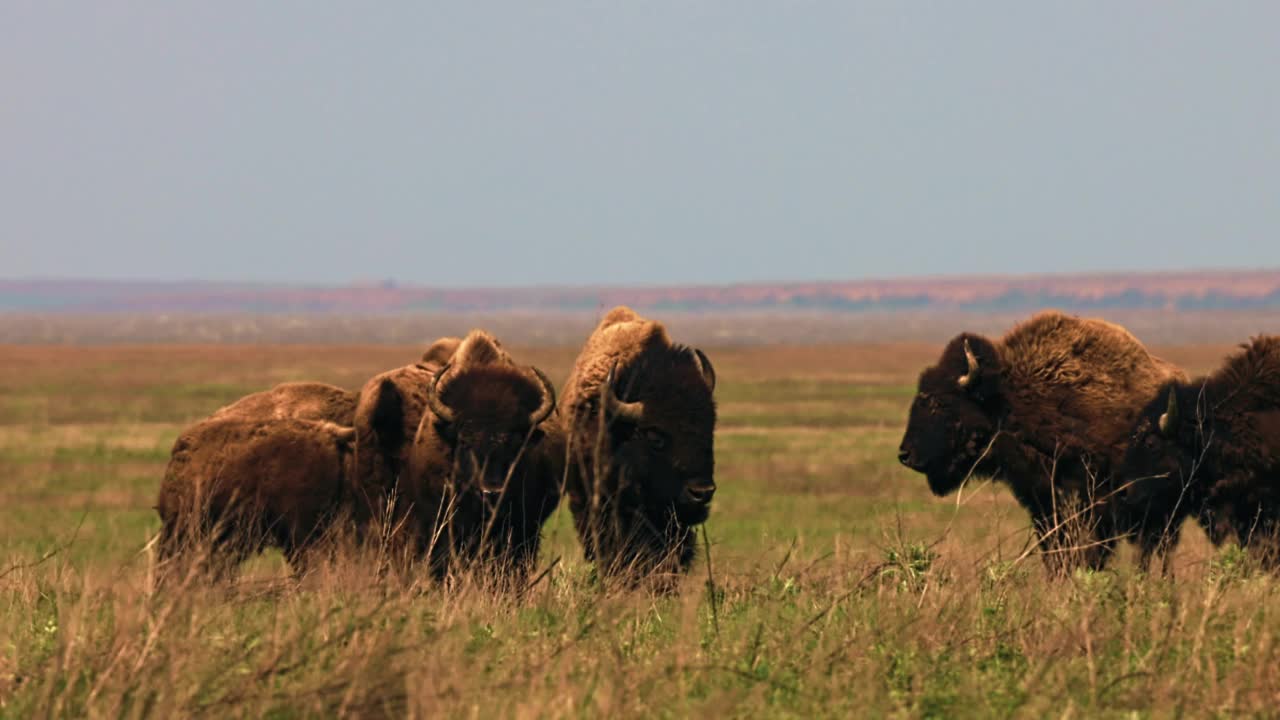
837,585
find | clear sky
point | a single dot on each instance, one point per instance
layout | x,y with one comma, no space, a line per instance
518,143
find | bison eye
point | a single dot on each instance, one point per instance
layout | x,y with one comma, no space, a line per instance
656,438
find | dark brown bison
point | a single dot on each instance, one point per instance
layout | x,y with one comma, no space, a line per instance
639,422
479,478
219,485
235,485
1211,447
386,418
301,400
1047,409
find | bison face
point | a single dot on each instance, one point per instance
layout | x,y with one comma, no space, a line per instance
488,418
954,414
669,468
1155,461
486,458
662,420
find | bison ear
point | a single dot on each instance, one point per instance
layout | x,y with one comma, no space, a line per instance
387,419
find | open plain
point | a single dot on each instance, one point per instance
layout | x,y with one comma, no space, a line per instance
834,585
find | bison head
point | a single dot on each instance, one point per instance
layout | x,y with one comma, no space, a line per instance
954,414
1162,446
661,419
488,416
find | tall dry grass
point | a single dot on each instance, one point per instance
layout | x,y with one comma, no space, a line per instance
922,628
830,583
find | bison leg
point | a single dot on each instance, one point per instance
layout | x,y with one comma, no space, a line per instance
196,544
168,544
1263,539
170,557
1080,543
229,545
306,547
1050,542
1159,542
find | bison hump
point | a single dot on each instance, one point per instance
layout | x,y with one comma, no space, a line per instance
1086,370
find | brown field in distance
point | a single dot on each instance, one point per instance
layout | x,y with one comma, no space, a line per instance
556,329
839,585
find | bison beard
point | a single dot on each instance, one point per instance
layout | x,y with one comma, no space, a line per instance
1046,409
626,536
639,420
1211,448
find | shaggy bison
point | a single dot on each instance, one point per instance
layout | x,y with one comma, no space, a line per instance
274,467
479,477
1047,409
386,418
235,485
639,421
1212,447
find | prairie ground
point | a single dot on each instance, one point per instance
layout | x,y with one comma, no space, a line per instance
835,585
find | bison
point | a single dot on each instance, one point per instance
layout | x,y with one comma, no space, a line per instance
386,418
235,485
1047,409
479,478
275,467
1211,447
639,421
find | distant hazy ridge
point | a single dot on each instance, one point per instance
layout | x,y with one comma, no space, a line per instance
1214,290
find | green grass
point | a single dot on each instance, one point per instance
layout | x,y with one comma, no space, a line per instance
837,587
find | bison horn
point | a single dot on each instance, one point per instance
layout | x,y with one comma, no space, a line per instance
1169,420
548,399
704,367
434,402
968,378
615,407
342,433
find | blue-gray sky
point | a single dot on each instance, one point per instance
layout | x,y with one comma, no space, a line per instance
518,143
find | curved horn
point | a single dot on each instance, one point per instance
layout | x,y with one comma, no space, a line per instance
438,408
704,367
1169,420
968,378
614,406
548,399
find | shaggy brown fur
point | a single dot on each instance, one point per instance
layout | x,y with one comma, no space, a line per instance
479,475
301,400
639,481
1048,411
386,418
1218,454
235,485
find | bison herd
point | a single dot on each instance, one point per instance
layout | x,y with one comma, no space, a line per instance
456,461
1100,441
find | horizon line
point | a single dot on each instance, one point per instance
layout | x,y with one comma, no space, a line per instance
392,283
